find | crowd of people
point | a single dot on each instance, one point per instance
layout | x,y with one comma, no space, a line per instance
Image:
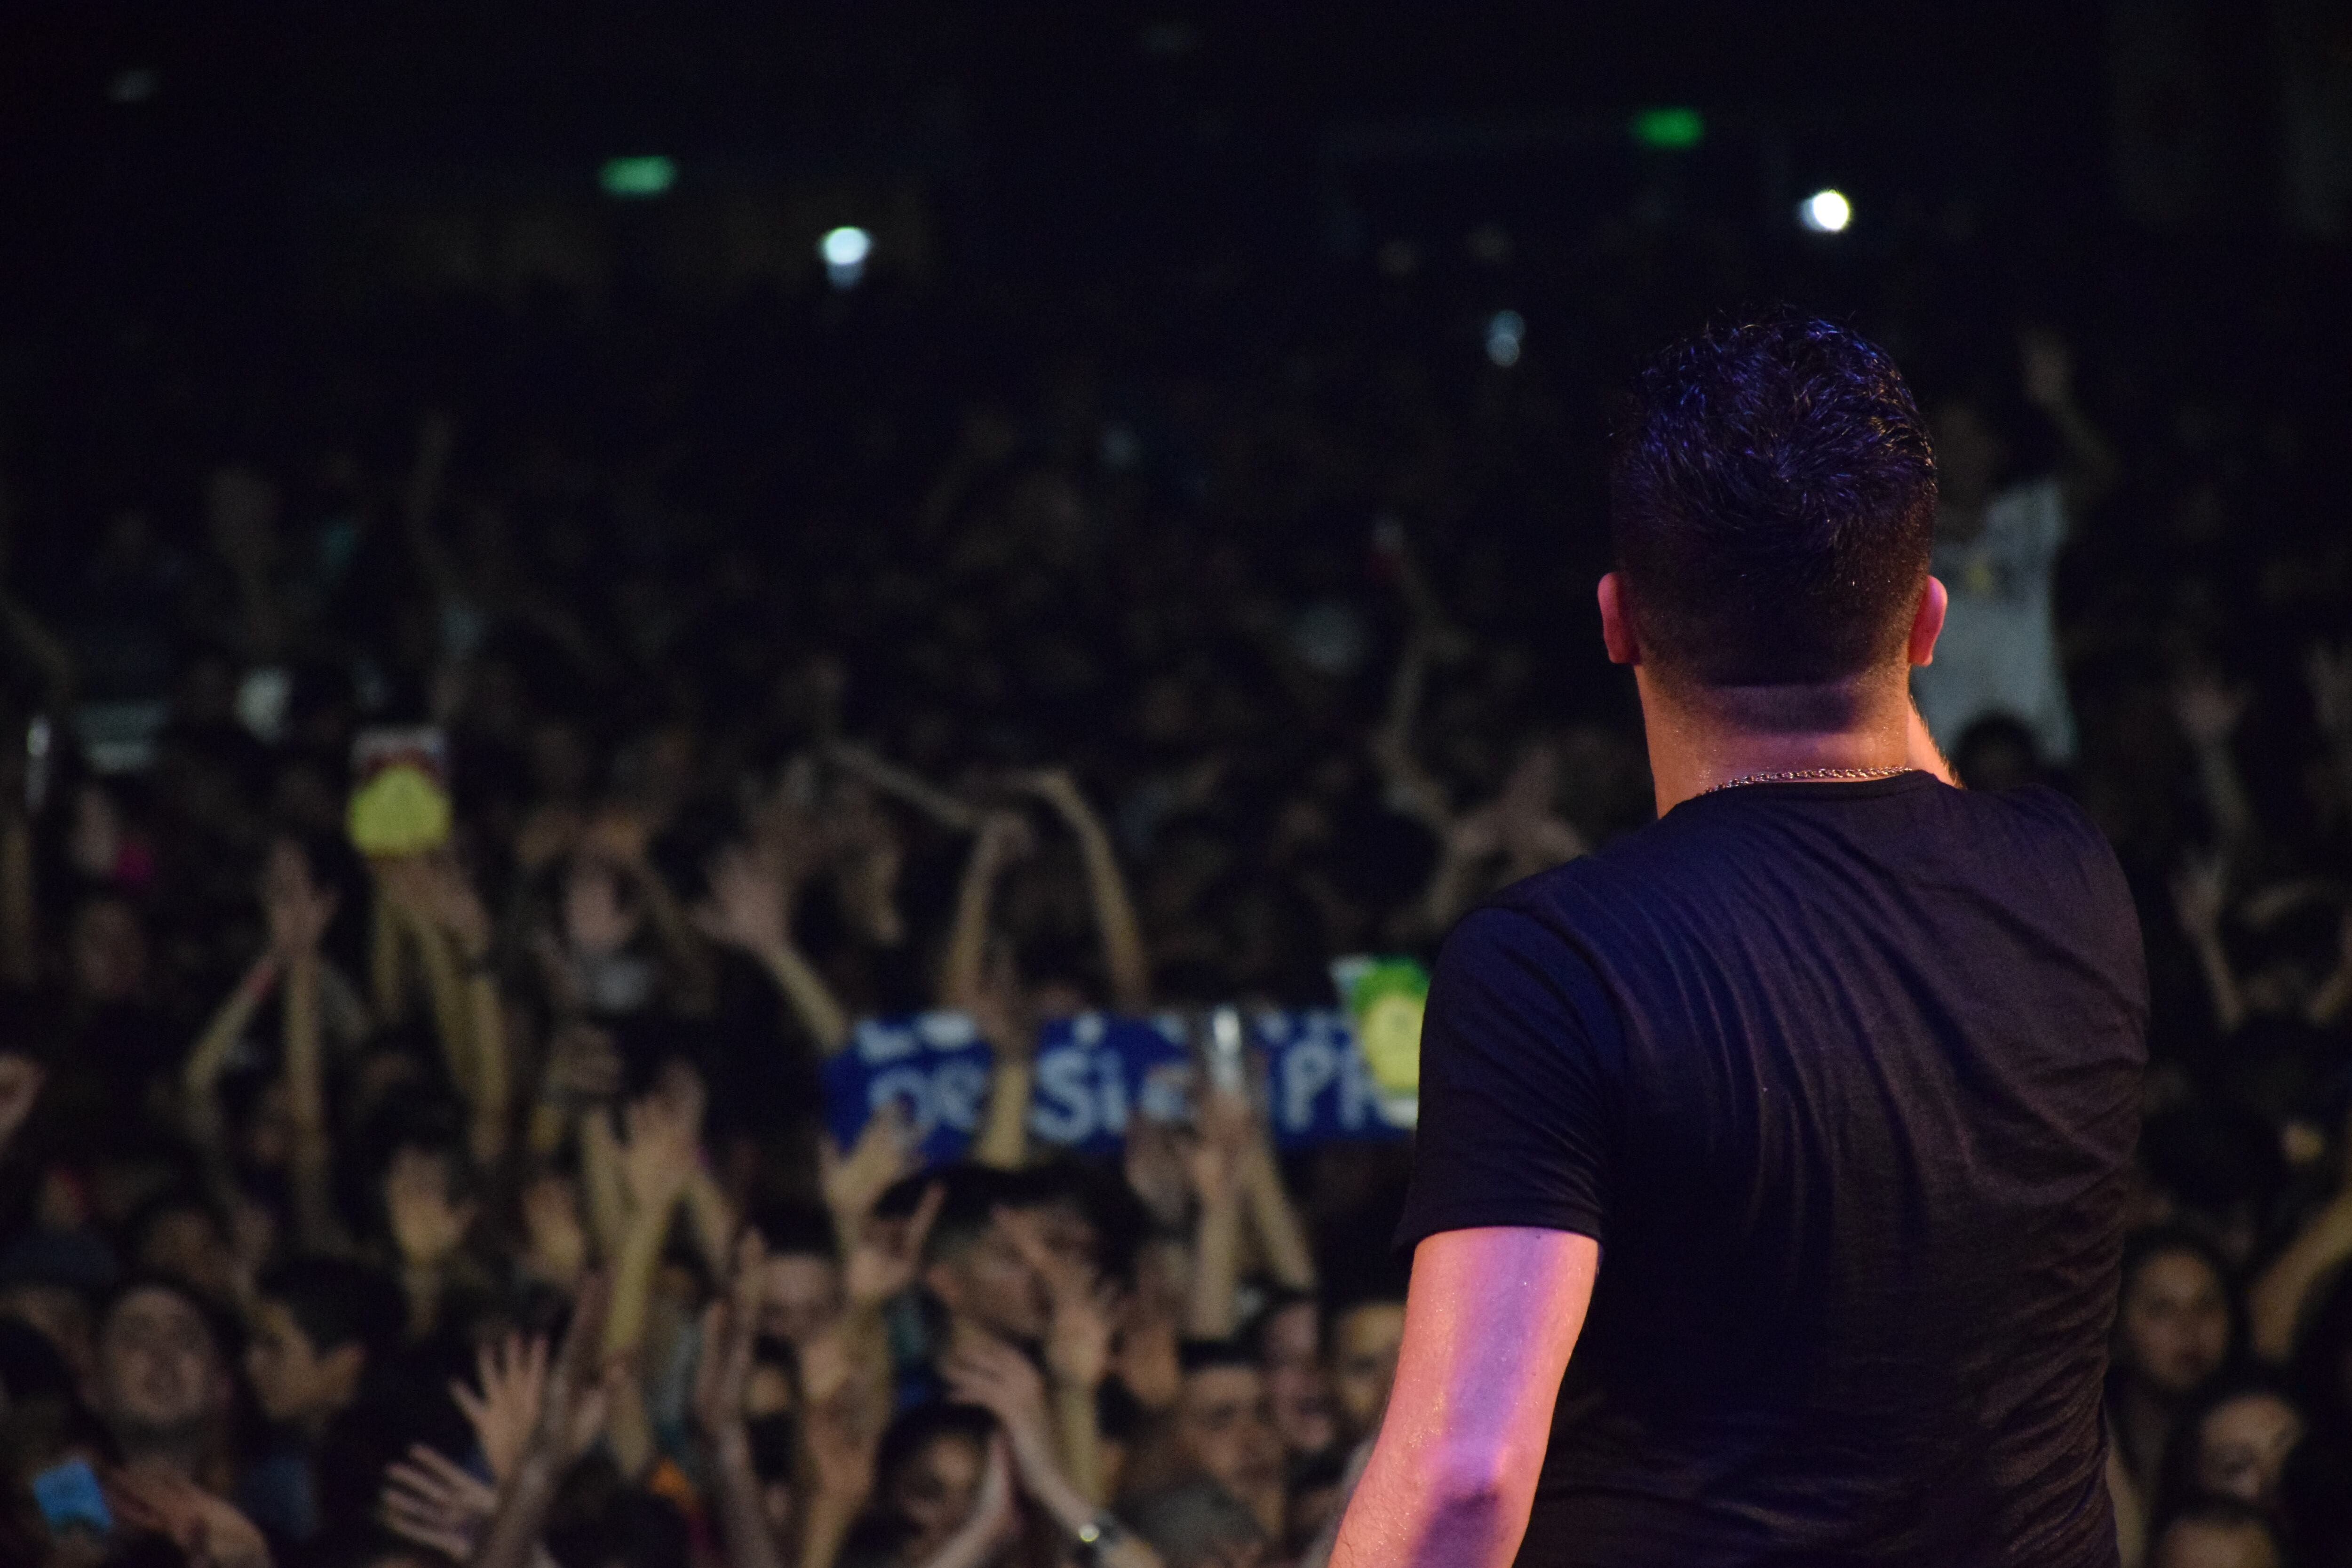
817,660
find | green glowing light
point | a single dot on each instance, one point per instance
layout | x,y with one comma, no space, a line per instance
1672,129
628,177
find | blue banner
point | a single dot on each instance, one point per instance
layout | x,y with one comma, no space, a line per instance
934,1064
1319,1090
1096,1071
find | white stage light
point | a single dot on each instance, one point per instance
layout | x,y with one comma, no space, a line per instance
1825,212
845,251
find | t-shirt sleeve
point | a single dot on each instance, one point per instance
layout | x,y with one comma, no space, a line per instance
1516,1092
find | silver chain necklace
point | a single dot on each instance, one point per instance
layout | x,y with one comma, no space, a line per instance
1802,775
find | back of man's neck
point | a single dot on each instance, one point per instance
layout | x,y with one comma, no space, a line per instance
1700,741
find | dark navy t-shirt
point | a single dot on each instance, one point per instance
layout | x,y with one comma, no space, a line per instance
1844,1078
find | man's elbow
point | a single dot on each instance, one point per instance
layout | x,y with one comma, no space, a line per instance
1468,1477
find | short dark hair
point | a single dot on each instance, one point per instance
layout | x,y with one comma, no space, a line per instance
1214,1355
796,1230
338,1303
973,1195
1773,502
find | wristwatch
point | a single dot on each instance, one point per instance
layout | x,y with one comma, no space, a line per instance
1096,1536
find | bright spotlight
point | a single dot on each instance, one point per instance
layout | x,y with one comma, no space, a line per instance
1505,333
845,251
1825,212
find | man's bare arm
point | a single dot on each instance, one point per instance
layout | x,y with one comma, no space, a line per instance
1489,1321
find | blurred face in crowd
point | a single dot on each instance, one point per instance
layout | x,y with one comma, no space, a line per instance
2193,1543
800,1293
109,951
1225,1431
1364,1342
2174,1323
988,1282
597,916
2242,1447
934,1490
187,1244
1069,1233
1295,1381
159,1377
294,1383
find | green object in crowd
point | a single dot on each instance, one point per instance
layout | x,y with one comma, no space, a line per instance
1672,129
648,177
1385,999
403,810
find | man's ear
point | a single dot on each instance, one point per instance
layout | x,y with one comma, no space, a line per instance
1928,622
1616,624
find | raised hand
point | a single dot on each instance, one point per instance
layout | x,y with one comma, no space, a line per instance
2048,367
840,1453
299,911
884,1151
1477,836
435,1503
785,825
886,1256
206,1529
994,1522
504,1414
556,1242
581,1385
1077,1341
750,906
1000,1009
427,1225
730,1331
1057,789
662,1147
2329,671
1227,1125
21,1078
867,857
998,1378
1005,838
2201,894
445,896
2208,709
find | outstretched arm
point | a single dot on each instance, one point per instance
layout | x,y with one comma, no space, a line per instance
2092,467
1122,934
749,909
1489,1322
973,981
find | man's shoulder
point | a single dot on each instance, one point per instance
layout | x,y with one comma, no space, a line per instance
2049,827
2032,835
